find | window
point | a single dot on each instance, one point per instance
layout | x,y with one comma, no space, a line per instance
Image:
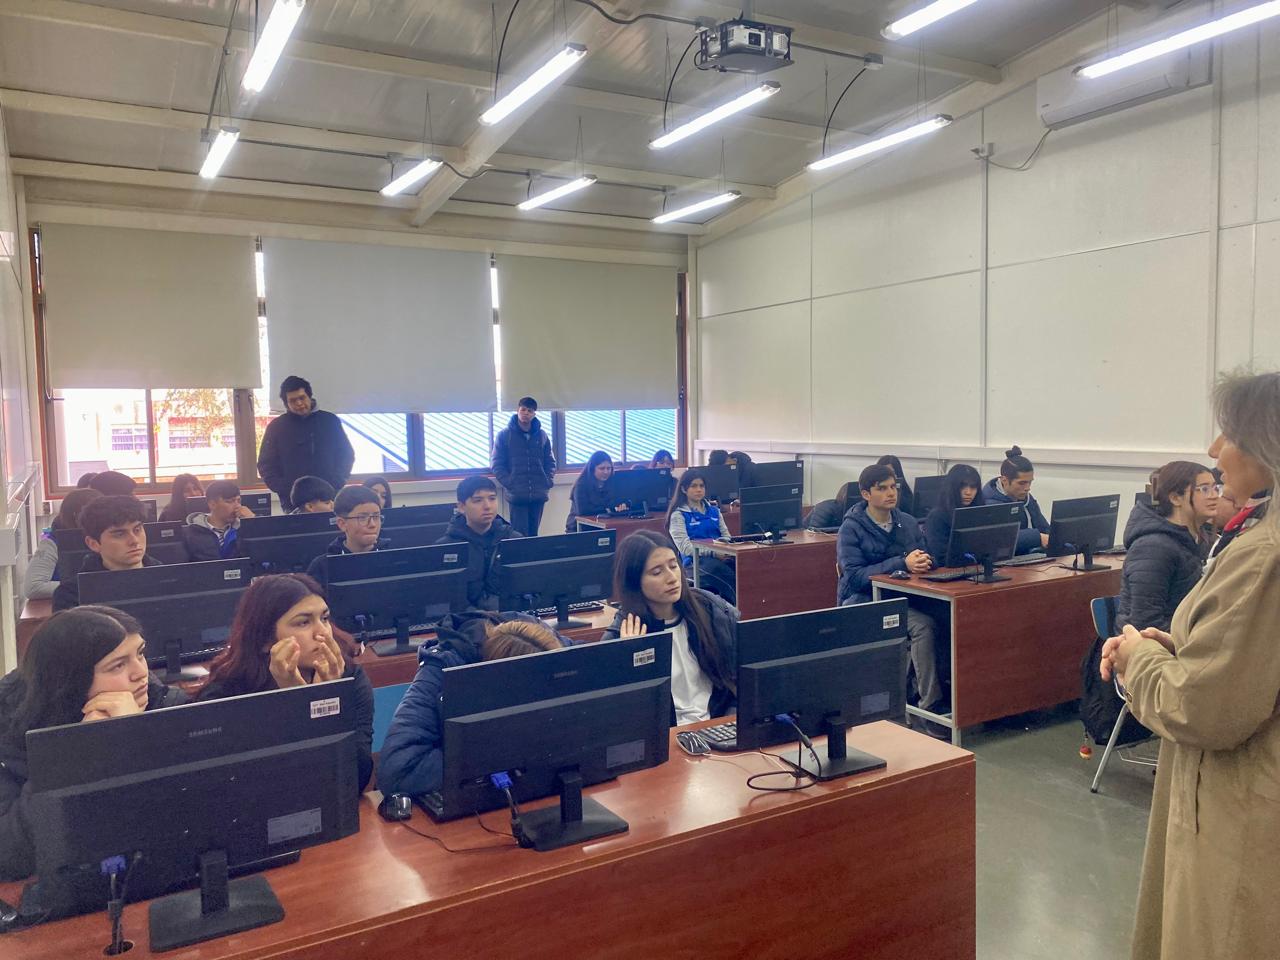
628,436
458,441
186,423
100,430
381,441
128,438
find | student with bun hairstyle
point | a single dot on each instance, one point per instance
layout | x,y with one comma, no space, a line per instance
281,637
1013,485
41,578
961,488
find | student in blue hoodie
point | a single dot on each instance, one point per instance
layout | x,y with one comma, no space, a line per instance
359,511
877,538
1014,485
411,760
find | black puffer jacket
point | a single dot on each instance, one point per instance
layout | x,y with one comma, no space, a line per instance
482,575
68,593
294,446
523,462
1163,561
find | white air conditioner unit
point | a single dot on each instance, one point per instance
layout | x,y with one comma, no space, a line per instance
1064,97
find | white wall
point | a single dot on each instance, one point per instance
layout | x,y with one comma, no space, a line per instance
927,305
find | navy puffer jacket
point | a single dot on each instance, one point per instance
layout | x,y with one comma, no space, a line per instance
1163,561
523,462
864,550
1034,522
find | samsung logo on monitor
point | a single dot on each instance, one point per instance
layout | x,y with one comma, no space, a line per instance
563,674
203,732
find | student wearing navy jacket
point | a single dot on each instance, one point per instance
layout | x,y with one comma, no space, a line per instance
359,519
961,488
1014,486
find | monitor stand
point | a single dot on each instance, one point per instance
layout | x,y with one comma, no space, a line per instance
562,621
174,671
401,644
841,761
988,574
1089,565
220,907
576,820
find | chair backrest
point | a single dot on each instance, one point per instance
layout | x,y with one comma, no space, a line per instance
1104,616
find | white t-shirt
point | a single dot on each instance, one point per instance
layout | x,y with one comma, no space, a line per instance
690,686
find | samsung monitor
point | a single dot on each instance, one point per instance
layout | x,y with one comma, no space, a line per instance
71,551
721,481
772,510
1142,497
286,543
1086,525
419,526
397,593
166,541
645,490
775,473
191,795
924,497
545,573
553,723
185,610
984,535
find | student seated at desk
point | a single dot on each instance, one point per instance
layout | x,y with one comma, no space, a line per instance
184,485
717,458
212,535
906,501
692,517
380,486
662,460
281,637
962,487
744,463
830,513
117,540
360,523
1014,485
41,578
478,525
113,483
311,495
82,665
411,760
877,538
592,493
653,595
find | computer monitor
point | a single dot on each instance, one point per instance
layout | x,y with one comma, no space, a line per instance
647,489
721,481
185,610
827,670
286,543
150,510
166,541
775,473
191,794
396,593
924,496
538,573
984,535
259,503
71,551
419,526
553,722
772,510
1084,525
1142,497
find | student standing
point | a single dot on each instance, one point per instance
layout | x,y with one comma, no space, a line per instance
212,535
117,540
41,577
478,525
184,485
303,441
960,488
692,516
359,524
525,466
1013,485
592,494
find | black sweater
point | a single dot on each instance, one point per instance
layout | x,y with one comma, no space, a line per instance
1163,561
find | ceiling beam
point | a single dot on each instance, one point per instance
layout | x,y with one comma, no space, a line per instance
507,212
624,175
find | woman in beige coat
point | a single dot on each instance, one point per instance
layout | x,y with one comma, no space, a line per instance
1209,688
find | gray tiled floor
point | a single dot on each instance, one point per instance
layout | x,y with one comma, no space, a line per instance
1057,866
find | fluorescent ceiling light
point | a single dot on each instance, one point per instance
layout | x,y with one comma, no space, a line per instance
748,99
1206,31
573,186
882,143
698,207
284,16
418,172
542,77
218,152
923,17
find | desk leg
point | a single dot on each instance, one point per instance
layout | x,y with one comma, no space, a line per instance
947,721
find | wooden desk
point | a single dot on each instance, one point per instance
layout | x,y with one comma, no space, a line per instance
1015,646
32,618
876,866
625,525
400,668
779,578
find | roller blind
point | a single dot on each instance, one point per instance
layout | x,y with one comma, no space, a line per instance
148,308
380,329
587,336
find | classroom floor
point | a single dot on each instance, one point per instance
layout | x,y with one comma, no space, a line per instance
1057,866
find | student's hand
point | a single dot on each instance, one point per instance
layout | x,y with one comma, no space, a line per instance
329,662
284,663
244,513
1044,540
117,703
622,508
633,626
918,562
1162,638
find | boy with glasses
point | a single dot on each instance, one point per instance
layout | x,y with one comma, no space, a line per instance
360,519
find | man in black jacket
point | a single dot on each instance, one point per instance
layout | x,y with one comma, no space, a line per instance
525,466
117,540
477,523
303,442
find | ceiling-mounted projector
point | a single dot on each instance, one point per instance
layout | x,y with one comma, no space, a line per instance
746,46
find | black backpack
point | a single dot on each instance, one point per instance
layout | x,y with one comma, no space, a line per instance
1099,703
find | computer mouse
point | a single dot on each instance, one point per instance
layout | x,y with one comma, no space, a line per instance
396,806
8,915
900,575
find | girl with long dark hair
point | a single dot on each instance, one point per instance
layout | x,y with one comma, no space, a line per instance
961,488
592,494
184,485
692,516
379,486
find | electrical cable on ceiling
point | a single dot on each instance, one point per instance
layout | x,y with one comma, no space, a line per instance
666,100
1025,164
832,114
497,67
622,21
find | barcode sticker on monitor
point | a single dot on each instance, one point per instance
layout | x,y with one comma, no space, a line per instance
231,574
642,657
892,621
1114,504
450,558
325,708
167,534
602,541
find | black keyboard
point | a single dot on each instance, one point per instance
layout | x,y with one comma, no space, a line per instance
582,606
625,515
722,737
950,576
751,538
1026,561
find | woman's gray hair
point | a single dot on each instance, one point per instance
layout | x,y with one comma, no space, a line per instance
1247,406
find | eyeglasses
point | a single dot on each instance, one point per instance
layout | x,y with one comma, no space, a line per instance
1207,488
364,519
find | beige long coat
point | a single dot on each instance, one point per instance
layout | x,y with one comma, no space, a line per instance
1210,886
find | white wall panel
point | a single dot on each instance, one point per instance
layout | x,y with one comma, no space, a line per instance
754,373
1238,198
915,214
1142,174
919,383
1266,299
1101,351
766,265
8,212
1235,296
1268,136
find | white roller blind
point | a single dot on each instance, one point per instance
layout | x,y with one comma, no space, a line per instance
380,329
148,308
587,336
